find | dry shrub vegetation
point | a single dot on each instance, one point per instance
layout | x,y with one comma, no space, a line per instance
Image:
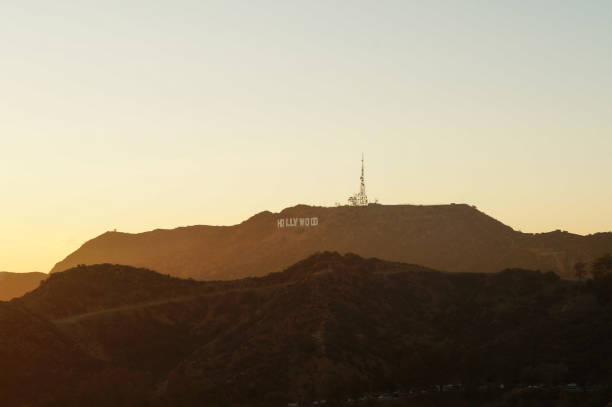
329,327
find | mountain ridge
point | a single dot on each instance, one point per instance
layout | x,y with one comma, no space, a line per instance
455,237
13,285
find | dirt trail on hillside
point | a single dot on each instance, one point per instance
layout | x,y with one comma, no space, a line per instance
130,307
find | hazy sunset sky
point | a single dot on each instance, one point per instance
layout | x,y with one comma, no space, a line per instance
139,115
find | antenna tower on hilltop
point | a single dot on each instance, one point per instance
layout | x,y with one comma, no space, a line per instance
360,199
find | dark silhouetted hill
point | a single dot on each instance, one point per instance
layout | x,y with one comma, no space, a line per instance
37,361
328,327
445,237
91,288
14,285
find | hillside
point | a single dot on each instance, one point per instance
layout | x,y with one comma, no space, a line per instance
330,326
446,237
37,359
14,285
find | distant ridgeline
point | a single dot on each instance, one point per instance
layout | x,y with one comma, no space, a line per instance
456,238
17,284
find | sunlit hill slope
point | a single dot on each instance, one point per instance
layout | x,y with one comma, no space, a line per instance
446,237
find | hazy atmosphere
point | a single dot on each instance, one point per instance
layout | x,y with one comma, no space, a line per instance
148,114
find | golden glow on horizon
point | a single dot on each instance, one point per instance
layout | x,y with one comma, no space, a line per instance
136,118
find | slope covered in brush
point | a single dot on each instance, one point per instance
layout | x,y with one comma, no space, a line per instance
37,360
330,326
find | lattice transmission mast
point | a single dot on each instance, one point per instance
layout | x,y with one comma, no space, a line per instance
360,199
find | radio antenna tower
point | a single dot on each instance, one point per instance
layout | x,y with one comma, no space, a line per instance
360,199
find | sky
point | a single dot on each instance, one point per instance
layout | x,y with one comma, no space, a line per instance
136,115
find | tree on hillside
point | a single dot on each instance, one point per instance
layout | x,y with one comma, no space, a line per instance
580,270
602,266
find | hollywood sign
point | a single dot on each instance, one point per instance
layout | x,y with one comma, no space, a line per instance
296,222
